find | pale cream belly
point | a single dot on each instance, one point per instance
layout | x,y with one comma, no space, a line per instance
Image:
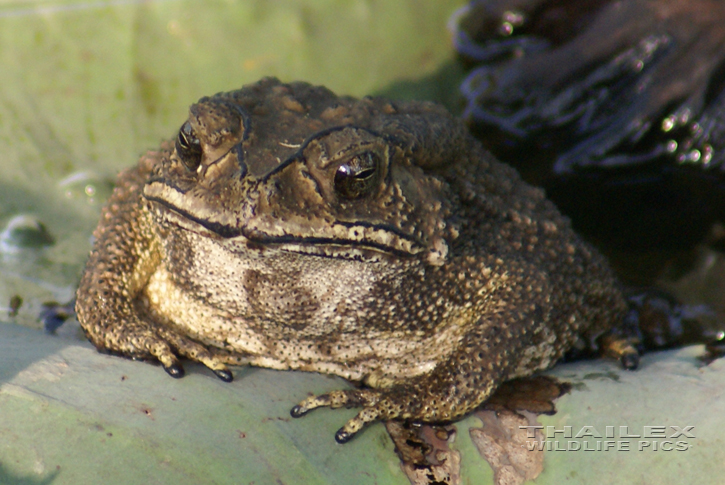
378,360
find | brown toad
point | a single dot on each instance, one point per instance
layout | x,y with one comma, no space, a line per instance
290,228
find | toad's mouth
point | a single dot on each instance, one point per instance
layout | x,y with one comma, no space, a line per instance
332,247
365,241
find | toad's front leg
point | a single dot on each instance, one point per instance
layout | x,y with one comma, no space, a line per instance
452,389
125,254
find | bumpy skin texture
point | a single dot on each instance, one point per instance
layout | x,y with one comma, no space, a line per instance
293,229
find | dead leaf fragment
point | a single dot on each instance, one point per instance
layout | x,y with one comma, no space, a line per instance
425,456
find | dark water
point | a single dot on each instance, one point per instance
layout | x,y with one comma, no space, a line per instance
617,108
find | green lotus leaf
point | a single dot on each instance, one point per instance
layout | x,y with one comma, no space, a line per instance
85,87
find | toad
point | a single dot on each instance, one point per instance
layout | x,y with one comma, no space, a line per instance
290,228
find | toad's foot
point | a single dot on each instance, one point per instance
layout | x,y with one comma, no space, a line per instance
424,399
146,342
376,405
187,348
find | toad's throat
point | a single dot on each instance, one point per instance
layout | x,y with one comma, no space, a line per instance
361,247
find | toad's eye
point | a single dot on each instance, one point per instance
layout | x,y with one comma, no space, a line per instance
188,147
358,176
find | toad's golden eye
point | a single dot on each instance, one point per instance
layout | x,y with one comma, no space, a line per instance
188,147
358,176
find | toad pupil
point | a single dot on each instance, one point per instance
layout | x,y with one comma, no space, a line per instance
188,147
356,178
407,293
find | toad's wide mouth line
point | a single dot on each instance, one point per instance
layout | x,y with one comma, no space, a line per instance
224,230
327,247
313,246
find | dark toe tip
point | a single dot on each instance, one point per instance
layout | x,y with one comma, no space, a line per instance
343,436
630,361
224,374
175,371
298,411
